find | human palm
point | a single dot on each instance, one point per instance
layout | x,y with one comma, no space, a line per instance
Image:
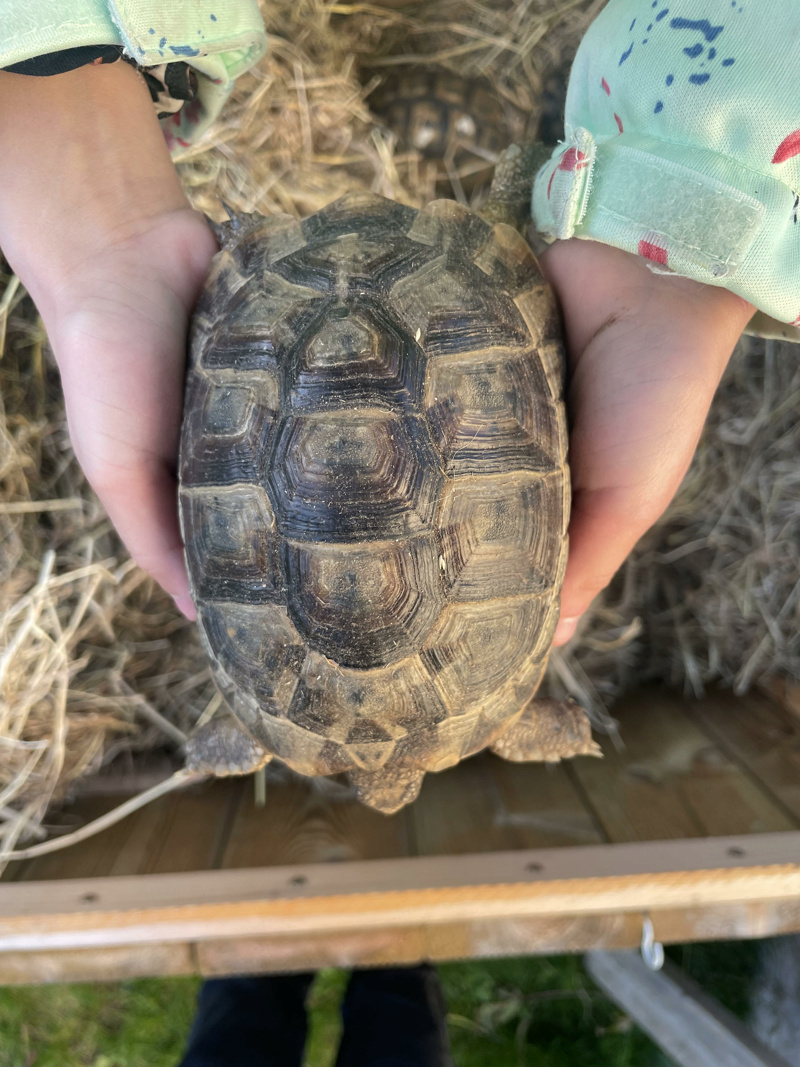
646,353
96,224
121,350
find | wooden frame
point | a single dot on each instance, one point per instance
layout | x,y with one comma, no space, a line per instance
685,1022
207,882
383,911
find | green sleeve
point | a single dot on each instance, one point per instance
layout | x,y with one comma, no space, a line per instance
220,39
682,145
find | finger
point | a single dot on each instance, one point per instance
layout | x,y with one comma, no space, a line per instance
646,360
141,503
124,402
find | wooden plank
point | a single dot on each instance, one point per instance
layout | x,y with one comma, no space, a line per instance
174,833
298,824
760,735
488,804
326,898
692,1028
671,780
91,858
491,938
398,944
97,964
194,825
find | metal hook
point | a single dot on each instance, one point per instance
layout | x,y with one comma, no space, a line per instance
652,950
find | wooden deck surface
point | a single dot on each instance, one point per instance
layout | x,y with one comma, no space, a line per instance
709,774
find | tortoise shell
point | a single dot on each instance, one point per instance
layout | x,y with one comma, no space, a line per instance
461,123
373,488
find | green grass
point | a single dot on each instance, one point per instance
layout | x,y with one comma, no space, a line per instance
524,1012
141,1023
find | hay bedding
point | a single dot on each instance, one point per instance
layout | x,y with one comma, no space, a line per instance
101,677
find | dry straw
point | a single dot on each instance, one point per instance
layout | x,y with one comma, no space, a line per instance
98,672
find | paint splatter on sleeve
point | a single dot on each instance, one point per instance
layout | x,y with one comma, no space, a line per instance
689,129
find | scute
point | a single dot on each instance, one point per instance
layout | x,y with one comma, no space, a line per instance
492,413
497,536
399,697
477,647
230,531
373,486
356,356
354,475
333,589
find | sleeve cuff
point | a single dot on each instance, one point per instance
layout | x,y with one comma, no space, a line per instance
65,60
686,210
220,39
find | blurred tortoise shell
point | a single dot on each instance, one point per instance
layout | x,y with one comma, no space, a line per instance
374,495
460,123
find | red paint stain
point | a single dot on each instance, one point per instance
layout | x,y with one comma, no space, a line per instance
604,83
655,253
789,146
618,121
573,159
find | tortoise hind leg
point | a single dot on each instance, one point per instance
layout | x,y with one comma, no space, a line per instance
224,747
548,730
387,789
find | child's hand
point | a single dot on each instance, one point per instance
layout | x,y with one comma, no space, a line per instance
94,221
647,352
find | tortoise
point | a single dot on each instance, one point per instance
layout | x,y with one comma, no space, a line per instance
374,494
459,123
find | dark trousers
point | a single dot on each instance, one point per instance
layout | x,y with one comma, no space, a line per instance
392,1017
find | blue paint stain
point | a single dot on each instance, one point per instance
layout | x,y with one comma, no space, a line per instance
141,49
659,107
694,51
662,14
728,62
649,28
670,79
711,53
162,42
151,30
699,79
213,18
184,50
625,55
631,25
646,39
703,25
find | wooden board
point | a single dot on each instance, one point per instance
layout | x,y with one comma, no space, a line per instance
182,832
487,804
672,779
278,918
763,738
696,821
691,1027
297,824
